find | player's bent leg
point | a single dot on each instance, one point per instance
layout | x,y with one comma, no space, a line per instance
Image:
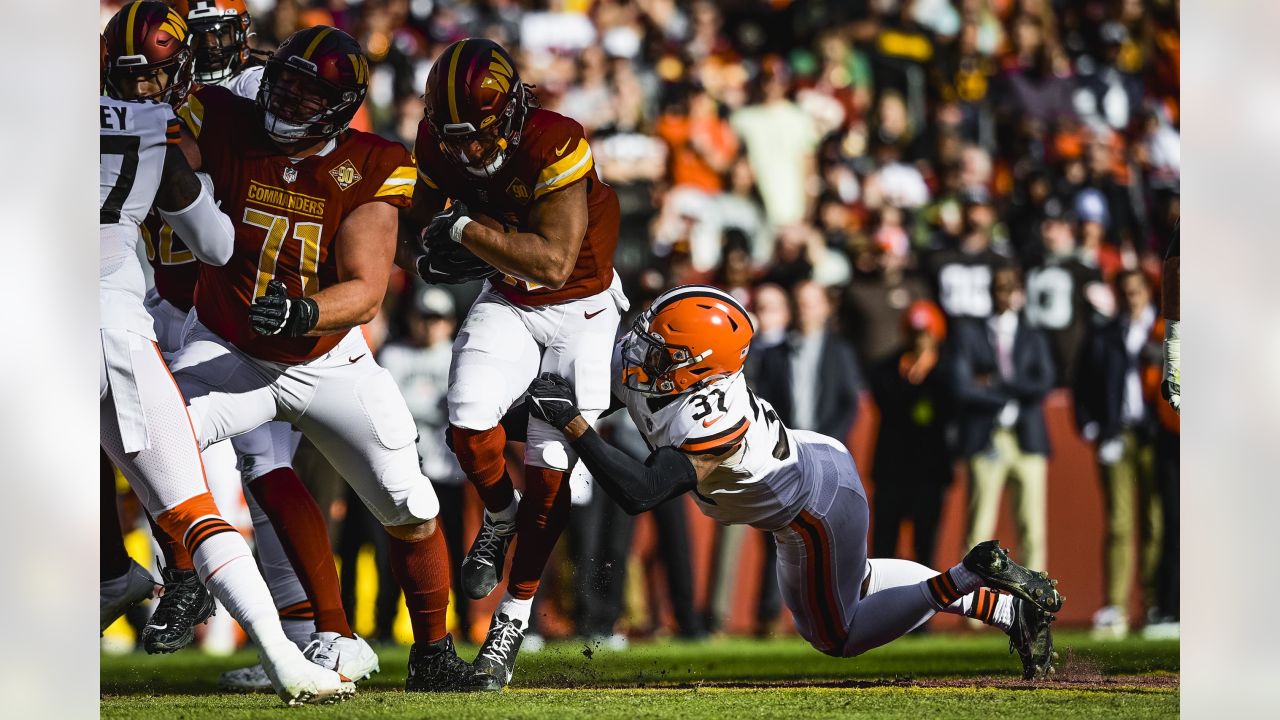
373,446
169,480
227,393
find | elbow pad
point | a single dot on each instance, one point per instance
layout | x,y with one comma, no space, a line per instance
205,229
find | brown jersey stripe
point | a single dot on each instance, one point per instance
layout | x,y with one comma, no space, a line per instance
723,439
829,598
821,589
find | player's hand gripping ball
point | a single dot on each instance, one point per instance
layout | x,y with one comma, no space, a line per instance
552,399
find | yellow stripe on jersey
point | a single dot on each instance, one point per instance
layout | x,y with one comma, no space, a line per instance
192,112
566,171
399,182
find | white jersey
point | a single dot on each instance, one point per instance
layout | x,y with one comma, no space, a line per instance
765,483
245,83
134,140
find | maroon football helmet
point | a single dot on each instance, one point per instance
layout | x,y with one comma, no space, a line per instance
313,85
147,54
476,104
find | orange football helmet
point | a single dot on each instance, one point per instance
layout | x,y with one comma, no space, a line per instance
690,337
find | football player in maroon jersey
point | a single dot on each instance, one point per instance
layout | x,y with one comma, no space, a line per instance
552,302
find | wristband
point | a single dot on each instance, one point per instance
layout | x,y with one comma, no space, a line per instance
455,230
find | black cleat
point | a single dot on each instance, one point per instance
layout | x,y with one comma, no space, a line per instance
436,667
497,657
482,567
1031,637
184,605
992,563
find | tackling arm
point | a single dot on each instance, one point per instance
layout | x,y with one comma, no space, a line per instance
638,486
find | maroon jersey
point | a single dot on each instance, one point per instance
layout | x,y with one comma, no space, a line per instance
552,155
174,267
286,215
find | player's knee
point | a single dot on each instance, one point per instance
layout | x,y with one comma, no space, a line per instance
412,532
473,407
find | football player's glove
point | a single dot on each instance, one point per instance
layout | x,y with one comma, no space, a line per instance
278,314
552,399
446,226
1171,384
451,264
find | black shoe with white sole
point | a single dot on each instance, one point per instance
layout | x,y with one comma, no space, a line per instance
1031,637
184,604
497,657
436,667
483,565
992,563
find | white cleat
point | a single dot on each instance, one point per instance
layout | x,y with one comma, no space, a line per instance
352,658
118,595
299,682
246,679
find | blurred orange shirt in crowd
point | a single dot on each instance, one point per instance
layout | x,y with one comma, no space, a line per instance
686,165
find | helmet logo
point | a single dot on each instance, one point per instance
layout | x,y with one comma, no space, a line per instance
345,175
500,73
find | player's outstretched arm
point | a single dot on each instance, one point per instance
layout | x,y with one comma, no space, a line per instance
636,486
547,253
185,201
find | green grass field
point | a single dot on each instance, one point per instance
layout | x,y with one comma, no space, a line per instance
963,675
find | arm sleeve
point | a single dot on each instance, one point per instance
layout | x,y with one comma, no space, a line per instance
206,230
636,486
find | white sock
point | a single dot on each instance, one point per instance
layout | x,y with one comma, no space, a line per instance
998,613
509,514
228,570
1004,612
516,609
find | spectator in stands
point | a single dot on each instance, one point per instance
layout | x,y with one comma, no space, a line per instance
883,288
813,379
1113,409
913,465
1064,295
781,142
962,274
1001,369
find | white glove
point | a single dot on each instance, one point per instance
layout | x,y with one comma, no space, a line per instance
1110,451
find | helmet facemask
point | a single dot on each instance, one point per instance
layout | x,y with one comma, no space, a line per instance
649,363
219,47
297,105
483,151
173,76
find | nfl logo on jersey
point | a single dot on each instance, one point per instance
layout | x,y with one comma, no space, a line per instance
290,174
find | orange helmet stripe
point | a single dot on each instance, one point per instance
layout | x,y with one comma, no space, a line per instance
453,69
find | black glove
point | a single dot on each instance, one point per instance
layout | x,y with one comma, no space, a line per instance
278,314
438,230
552,399
448,263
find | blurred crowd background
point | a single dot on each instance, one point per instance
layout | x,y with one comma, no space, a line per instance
948,219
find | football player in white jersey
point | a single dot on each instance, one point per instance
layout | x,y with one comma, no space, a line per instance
145,427
678,372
